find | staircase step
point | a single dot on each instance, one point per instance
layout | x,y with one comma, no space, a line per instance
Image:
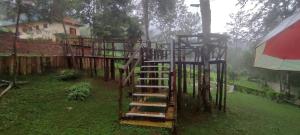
165,72
160,124
157,61
153,78
148,104
154,66
146,114
158,95
152,86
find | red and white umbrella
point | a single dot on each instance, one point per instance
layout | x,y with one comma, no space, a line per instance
280,49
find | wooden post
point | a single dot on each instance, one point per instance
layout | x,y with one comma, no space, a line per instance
106,69
221,85
95,66
179,76
218,84
120,93
113,48
91,65
127,73
199,83
194,81
112,69
225,83
184,76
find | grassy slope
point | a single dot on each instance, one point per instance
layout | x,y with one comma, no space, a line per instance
41,108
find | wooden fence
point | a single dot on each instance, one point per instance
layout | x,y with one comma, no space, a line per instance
40,64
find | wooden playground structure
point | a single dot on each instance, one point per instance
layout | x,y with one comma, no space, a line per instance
155,73
157,95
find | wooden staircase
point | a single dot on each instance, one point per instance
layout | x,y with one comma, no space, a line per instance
152,99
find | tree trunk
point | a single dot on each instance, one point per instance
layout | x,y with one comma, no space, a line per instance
14,55
146,18
206,23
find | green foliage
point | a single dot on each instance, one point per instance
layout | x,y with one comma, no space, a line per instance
68,74
266,92
79,91
264,15
116,24
175,21
4,31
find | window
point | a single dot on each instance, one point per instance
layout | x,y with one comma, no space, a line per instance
73,31
45,25
37,27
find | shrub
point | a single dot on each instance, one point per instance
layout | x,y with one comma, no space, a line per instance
68,74
79,91
273,95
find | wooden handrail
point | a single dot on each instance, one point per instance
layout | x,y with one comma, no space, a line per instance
125,67
124,82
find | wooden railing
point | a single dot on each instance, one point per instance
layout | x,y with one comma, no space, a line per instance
128,67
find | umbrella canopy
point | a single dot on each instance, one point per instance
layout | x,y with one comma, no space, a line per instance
280,49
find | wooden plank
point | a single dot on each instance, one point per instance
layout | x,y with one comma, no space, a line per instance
151,86
153,78
162,72
146,114
158,61
38,65
165,124
152,66
158,95
148,104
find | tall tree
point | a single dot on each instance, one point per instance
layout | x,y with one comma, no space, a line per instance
159,8
256,18
13,12
206,27
181,21
146,19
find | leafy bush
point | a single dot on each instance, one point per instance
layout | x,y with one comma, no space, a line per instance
68,74
273,95
79,91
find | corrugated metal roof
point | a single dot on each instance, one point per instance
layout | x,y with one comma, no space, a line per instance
281,27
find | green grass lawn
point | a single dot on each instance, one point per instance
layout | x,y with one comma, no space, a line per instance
41,107
246,115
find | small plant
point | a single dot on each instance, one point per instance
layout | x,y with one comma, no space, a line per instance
273,95
68,74
79,91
